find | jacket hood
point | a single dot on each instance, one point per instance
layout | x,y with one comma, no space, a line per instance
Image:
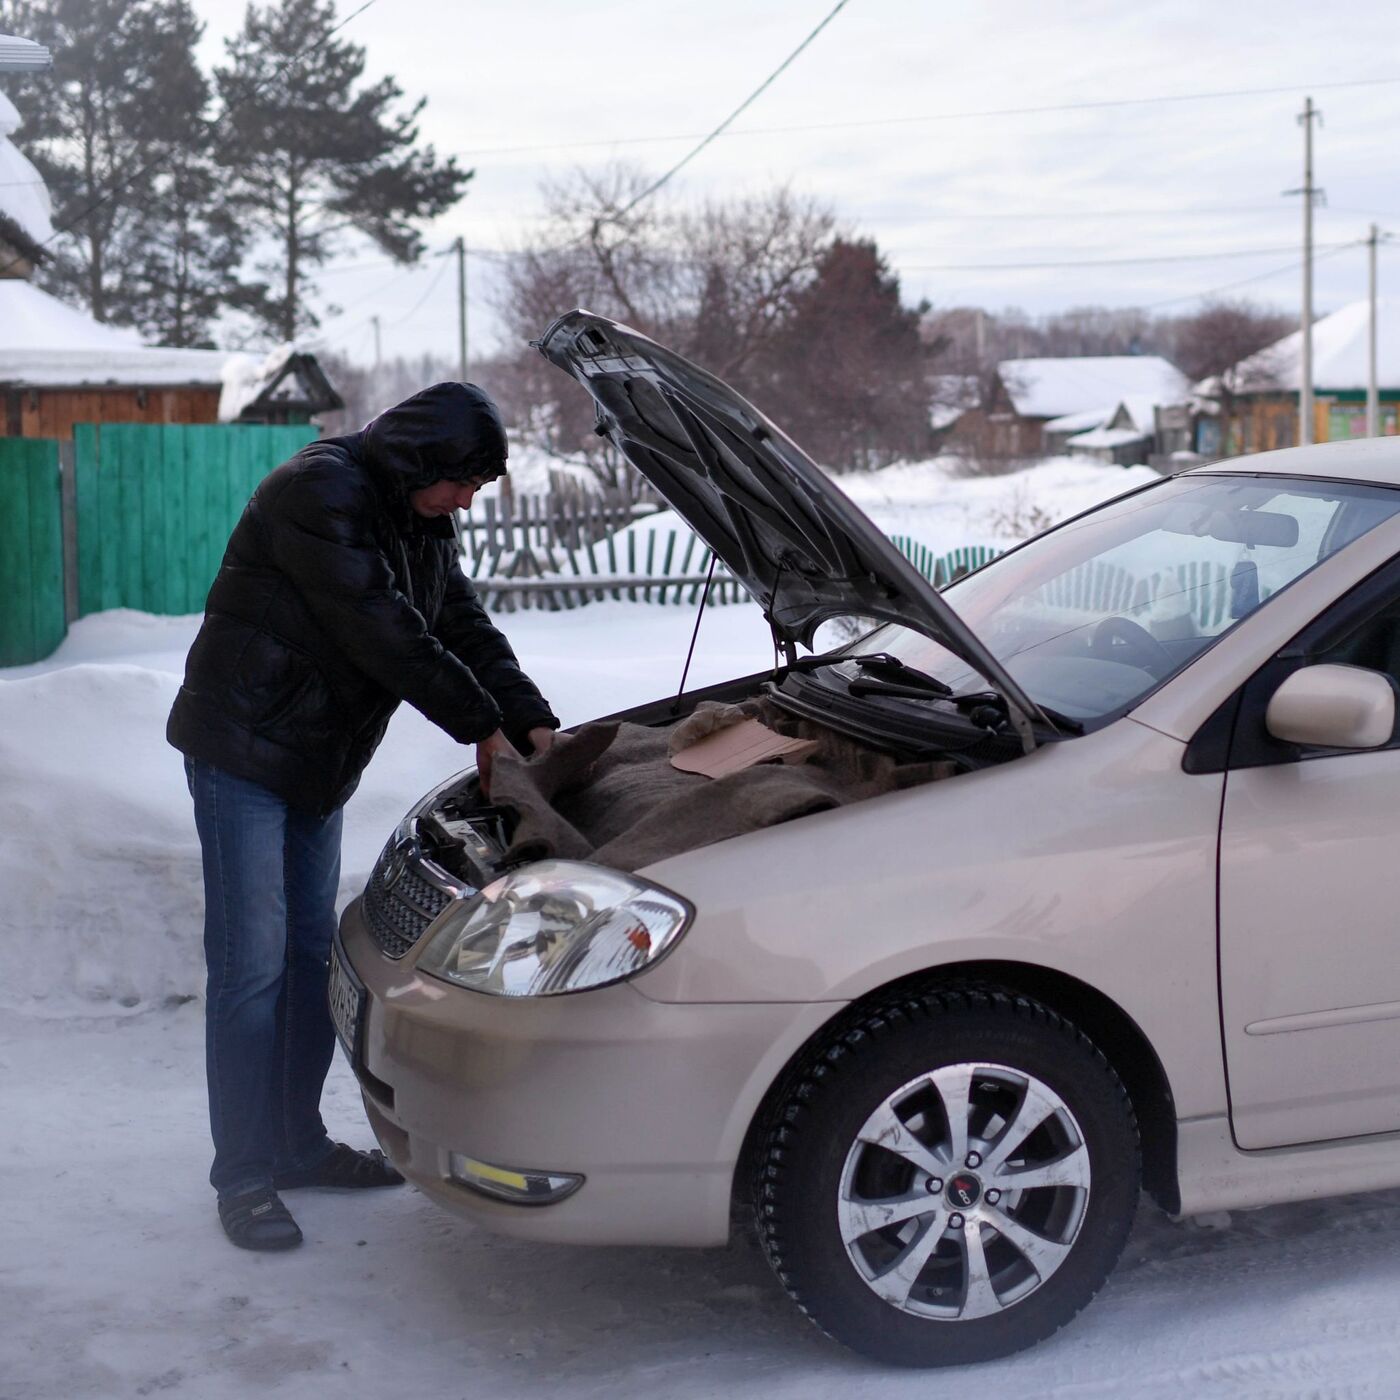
446,432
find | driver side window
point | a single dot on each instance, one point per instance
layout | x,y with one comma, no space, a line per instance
1373,644
1361,629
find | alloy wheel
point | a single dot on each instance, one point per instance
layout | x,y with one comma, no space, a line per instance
964,1191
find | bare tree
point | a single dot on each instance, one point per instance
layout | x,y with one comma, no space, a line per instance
719,283
1217,339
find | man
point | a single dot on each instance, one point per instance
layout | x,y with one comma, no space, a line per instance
340,594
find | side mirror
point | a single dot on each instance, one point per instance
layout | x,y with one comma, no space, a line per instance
1333,707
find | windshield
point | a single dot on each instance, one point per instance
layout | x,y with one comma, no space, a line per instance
1090,617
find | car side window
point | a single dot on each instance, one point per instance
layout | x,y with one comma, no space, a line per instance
1361,629
1374,643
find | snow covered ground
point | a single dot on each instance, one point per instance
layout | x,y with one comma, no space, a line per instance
929,503
116,1281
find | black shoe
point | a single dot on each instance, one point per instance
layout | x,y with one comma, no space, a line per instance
258,1220
342,1167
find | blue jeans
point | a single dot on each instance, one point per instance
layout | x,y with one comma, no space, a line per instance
270,878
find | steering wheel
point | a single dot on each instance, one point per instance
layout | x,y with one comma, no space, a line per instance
1122,639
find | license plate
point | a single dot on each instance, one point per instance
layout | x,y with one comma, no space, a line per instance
346,995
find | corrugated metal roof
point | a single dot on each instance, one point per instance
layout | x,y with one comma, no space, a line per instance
23,55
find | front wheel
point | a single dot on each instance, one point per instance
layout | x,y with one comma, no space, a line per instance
950,1178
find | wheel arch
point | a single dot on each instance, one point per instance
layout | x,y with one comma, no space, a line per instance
1115,1033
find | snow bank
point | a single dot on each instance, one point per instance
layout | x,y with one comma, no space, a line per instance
98,855
929,502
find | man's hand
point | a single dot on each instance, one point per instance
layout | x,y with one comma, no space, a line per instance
486,752
540,739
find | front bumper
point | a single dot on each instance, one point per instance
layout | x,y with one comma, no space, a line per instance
648,1101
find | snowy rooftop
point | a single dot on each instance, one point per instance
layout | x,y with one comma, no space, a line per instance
1055,388
1106,437
44,341
1339,352
23,195
1080,422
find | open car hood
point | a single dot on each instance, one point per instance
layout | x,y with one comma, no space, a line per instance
785,530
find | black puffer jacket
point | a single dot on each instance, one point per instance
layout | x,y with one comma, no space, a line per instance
335,601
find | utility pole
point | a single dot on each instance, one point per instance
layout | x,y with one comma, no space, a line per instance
378,358
1373,397
1305,379
461,246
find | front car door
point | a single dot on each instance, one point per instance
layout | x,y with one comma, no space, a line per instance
1309,903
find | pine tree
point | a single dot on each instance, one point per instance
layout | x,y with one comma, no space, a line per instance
849,372
124,101
312,152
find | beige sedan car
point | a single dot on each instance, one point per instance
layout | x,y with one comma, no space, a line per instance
1087,884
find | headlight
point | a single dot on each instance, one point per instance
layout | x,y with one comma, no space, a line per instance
552,927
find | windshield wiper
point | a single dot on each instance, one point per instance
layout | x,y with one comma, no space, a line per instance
881,661
876,662
968,699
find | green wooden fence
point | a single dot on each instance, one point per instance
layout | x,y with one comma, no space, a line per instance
943,569
31,551
130,516
156,504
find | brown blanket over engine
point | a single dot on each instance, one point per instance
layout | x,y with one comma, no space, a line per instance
607,792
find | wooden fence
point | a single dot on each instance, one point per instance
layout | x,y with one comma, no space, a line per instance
156,504
123,516
525,558
32,621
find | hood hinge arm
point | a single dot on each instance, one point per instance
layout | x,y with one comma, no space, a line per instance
699,613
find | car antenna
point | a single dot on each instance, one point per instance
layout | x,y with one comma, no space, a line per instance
700,612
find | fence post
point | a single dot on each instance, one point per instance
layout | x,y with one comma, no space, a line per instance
68,506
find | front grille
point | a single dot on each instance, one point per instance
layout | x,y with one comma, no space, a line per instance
397,916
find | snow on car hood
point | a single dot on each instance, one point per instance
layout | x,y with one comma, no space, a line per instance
787,533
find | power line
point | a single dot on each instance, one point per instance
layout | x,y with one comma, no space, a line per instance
876,217
1245,281
118,186
763,87
1093,262
1042,109
432,287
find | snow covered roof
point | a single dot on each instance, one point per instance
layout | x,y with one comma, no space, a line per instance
1339,352
22,55
24,198
1141,409
45,342
1106,437
1055,388
285,377
1080,422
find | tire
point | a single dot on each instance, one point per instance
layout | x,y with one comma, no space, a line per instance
986,1267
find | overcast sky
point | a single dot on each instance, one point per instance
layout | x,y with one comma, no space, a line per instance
896,96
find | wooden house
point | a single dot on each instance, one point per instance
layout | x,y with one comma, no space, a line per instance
1258,399
59,366
1035,406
